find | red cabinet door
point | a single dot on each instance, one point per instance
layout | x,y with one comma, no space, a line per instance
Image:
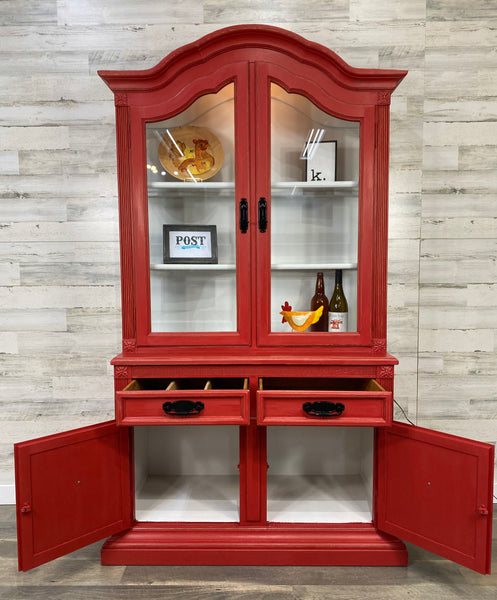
170,296
435,491
72,489
293,247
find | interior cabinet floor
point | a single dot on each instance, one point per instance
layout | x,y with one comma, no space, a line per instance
318,499
80,576
194,498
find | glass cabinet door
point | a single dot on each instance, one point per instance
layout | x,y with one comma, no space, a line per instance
314,216
192,218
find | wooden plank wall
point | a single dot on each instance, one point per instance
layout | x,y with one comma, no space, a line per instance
59,275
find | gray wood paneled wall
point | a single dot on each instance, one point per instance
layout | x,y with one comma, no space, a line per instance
59,271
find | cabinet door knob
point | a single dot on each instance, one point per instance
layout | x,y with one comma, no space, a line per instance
323,408
183,408
26,507
483,510
262,215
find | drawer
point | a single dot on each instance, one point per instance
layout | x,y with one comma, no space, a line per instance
324,402
184,402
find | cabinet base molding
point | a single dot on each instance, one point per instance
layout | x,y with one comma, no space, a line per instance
232,544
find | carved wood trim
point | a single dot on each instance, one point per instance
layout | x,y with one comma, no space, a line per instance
383,98
379,346
380,234
120,99
129,345
385,372
125,222
121,372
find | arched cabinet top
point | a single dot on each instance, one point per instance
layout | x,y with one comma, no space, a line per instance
255,44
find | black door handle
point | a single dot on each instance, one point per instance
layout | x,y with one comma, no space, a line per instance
323,408
262,215
183,407
244,215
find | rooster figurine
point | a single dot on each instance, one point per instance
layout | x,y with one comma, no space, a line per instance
300,321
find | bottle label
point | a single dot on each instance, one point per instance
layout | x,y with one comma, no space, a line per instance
338,321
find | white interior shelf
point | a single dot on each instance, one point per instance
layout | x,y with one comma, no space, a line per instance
295,186
200,185
232,267
334,185
318,499
193,267
312,266
192,498
316,184
291,499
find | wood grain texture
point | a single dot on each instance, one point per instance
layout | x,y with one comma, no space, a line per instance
390,10
33,13
260,11
59,253
80,575
457,266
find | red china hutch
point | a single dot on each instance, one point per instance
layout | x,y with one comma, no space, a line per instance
213,456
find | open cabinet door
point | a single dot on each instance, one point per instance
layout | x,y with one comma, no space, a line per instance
435,491
72,489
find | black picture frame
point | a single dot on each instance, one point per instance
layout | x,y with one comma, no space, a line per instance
191,244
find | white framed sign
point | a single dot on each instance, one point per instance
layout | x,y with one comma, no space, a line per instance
190,244
321,165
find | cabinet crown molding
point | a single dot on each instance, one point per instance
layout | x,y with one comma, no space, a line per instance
244,41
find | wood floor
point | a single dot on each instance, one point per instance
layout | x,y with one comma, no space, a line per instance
80,576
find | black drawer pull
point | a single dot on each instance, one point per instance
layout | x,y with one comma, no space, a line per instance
323,408
183,408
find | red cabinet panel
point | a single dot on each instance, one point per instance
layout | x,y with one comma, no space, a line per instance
73,489
435,491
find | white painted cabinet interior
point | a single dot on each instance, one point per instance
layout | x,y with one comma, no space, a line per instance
316,475
314,223
320,474
193,297
186,473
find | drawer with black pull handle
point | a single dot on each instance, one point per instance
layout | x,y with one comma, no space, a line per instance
323,402
183,402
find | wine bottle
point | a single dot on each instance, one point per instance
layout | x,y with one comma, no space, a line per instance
338,315
320,299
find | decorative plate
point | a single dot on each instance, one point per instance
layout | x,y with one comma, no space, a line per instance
191,153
